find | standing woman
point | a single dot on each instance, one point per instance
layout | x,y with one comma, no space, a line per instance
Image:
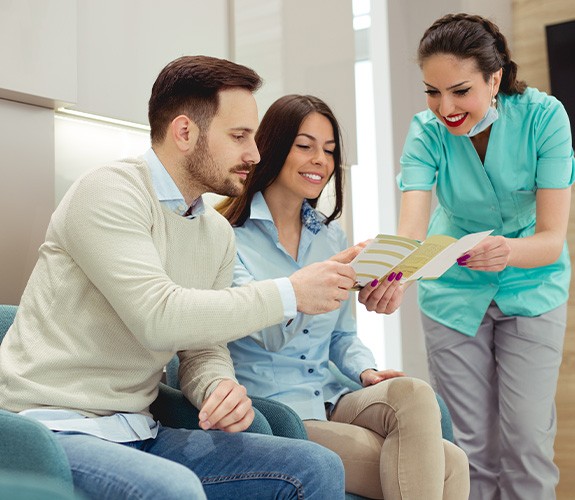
388,433
501,157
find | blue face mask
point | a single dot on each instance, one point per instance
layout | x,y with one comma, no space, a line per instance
490,116
484,123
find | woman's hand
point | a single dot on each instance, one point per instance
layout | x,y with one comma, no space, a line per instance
492,254
383,297
371,377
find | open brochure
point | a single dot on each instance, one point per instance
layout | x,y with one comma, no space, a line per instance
427,259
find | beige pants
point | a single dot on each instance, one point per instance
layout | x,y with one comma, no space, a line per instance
393,448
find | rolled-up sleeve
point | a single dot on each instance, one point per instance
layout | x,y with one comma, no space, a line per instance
555,162
419,158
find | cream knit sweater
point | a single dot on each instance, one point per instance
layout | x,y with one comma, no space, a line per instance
121,284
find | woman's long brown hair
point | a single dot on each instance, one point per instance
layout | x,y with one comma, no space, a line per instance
274,138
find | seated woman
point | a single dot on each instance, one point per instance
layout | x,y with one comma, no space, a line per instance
387,433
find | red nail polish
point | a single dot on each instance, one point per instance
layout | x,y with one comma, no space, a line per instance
399,276
374,283
391,277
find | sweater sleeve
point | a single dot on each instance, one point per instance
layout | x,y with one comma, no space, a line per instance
107,230
201,371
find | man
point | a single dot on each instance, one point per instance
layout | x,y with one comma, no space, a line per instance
135,268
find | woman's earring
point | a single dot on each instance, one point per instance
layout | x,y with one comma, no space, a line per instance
494,102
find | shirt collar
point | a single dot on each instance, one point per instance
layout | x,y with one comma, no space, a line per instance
166,190
309,216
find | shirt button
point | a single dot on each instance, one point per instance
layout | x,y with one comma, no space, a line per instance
316,393
310,370
306,331
302,356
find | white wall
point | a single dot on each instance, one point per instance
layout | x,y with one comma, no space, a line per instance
123,45
26,191
301,47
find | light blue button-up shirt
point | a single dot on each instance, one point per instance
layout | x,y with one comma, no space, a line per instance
289,361
529,148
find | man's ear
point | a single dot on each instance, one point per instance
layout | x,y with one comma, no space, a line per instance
184,133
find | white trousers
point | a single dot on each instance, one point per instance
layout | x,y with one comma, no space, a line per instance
500,389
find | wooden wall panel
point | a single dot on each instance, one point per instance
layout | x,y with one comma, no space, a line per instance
529,51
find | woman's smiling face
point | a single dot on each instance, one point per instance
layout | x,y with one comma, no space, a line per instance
310,162
457,92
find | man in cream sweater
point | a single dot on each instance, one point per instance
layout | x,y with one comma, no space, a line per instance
136,268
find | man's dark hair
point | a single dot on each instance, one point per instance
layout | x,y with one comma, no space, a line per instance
189,86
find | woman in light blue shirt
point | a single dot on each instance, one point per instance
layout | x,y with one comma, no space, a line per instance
501,157
279,231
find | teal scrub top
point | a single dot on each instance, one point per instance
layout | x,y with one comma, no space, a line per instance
529,148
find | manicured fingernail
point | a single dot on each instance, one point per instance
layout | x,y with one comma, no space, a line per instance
464,258
374,283
391,277
399,276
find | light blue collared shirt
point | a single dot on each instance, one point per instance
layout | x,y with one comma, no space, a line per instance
289,361
126,427
166,190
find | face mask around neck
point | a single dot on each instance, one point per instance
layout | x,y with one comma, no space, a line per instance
484,123
490,116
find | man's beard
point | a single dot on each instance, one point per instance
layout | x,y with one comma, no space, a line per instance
205,172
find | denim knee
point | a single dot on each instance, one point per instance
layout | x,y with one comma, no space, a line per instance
324,475
185,485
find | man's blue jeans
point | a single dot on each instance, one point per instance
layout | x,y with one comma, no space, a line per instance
196,464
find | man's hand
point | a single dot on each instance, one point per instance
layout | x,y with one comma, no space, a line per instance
382,297
347,255
371,377
228,408
320,287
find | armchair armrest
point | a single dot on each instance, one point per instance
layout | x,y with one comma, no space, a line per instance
281,418
27,446
172,409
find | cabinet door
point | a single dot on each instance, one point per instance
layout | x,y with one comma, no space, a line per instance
38,51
